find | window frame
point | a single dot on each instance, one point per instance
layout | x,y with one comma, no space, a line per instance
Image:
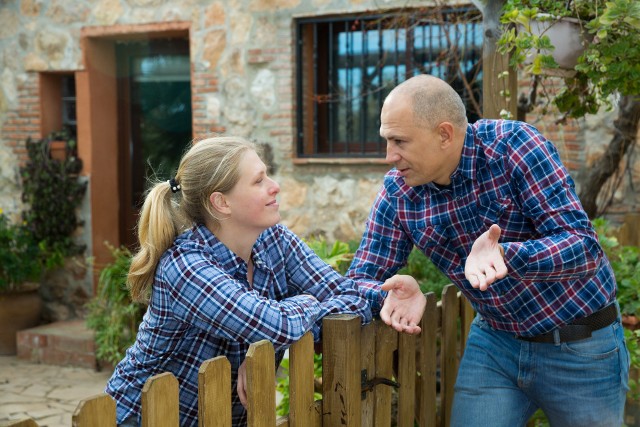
313,142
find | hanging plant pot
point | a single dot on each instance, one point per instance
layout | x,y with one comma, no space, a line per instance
566,34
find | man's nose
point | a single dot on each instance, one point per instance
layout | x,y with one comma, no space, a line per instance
391,156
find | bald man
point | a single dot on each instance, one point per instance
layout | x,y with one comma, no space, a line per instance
493,207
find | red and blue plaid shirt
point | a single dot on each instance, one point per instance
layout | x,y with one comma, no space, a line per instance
202,306
509,175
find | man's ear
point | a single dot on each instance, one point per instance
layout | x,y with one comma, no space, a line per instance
219,202
445,130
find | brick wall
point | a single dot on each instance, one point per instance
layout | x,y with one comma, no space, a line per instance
24,121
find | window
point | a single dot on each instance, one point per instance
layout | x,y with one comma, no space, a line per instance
69,103
346,66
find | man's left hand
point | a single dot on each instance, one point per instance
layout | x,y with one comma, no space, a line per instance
485,263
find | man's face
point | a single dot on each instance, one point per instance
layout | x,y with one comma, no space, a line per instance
416,151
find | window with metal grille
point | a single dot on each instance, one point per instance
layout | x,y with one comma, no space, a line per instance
346,66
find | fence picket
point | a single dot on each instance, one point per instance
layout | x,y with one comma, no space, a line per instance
261,380
214,393
386,345
368,365
302,411
341,371
98,411
449,346
426,407
407,380
160,401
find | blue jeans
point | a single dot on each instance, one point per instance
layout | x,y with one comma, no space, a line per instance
502,381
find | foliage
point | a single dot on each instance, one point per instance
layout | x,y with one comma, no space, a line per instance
632,339
337,256
429,277
625,261
282,383
111,313
53,191
609,65
20,255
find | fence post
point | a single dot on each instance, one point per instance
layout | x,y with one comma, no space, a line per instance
302,410
341,371
95,411
427,364
160,403
261,382
214,393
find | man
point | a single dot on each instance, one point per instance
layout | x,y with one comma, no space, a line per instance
494,208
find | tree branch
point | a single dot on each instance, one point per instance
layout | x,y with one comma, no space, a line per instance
626,130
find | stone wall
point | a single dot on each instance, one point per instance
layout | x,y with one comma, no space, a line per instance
243,79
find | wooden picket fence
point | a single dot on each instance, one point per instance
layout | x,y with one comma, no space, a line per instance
361,367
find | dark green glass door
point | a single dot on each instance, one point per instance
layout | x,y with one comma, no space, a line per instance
155,118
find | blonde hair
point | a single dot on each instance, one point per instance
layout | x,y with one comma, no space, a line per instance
210,165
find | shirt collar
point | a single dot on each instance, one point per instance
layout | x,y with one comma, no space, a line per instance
228,259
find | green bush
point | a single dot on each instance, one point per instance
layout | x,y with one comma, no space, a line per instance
625,261
53,191
20,255
111,313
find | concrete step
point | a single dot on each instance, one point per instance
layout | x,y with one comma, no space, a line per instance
65,343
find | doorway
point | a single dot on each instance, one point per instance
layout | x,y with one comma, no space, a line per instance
154,120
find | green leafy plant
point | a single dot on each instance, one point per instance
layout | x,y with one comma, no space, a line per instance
111,313
429,277
53,191
609,64
625,262
20,255
338,255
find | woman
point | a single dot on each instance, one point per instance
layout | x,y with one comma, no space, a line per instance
234,278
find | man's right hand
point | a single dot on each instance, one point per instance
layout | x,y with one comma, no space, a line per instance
404,305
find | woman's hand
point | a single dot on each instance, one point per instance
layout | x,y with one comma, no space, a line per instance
404,306
242,383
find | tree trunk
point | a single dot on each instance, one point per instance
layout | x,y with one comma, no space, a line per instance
626,131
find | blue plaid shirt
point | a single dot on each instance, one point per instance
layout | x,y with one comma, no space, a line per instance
509,175
202,306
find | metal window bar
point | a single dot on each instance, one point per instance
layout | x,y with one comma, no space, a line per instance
351,88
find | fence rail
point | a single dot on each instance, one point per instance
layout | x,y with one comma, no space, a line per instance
361,367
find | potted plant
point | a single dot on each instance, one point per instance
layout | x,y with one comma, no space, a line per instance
62,144
21,267
608,32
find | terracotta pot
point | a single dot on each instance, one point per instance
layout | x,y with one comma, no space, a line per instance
18,311
58,150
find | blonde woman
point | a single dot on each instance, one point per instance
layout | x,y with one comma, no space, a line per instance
234,277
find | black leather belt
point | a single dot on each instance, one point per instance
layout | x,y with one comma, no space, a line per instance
579,329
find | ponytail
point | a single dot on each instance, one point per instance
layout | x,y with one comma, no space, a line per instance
158,226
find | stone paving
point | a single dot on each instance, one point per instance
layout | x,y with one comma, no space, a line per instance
47,393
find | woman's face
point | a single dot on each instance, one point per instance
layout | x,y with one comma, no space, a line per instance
252,201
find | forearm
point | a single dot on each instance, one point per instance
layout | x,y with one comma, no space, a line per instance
562,256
